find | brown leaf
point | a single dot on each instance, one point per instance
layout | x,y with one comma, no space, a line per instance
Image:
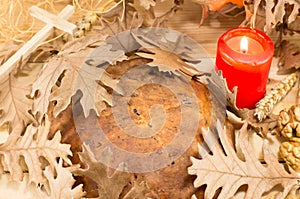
167,61
255,14
162,20
231,97
64,123
73,72
144,10
152,15
165,54
123,17
61,183
32,146
238,116
42,87
289,57
108,186
65,69
117,70
263,127
223,169
274,13
295,25
81,44
279,10
270,20
13,189
247,116
146,3
138,191
15,105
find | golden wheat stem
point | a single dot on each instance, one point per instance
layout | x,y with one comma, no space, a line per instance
265,106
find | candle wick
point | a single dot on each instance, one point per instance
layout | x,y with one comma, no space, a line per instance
244,51
244,45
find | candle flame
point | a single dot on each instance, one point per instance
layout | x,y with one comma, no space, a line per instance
244,45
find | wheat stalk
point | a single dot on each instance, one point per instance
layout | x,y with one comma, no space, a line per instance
265,106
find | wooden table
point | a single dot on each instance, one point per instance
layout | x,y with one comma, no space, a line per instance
187,21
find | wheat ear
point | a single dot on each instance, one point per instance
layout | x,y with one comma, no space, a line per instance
265,106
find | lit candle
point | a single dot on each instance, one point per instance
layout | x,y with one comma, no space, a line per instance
244,55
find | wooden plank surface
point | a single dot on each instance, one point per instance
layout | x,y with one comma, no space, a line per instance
187,21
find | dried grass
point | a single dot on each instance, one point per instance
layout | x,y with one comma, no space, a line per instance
17,25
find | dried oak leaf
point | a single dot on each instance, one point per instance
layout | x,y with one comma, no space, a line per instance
275,12
295,25
108,186
164,58
167,61
146,3
61,183
124,17
30,148
15,105
289,57
146,11
255,14
239,116
223,169
72,72
162,20
279,10
13,189
63,70
64,123
138,191
263,127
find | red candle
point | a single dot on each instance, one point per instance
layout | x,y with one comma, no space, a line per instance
244,55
